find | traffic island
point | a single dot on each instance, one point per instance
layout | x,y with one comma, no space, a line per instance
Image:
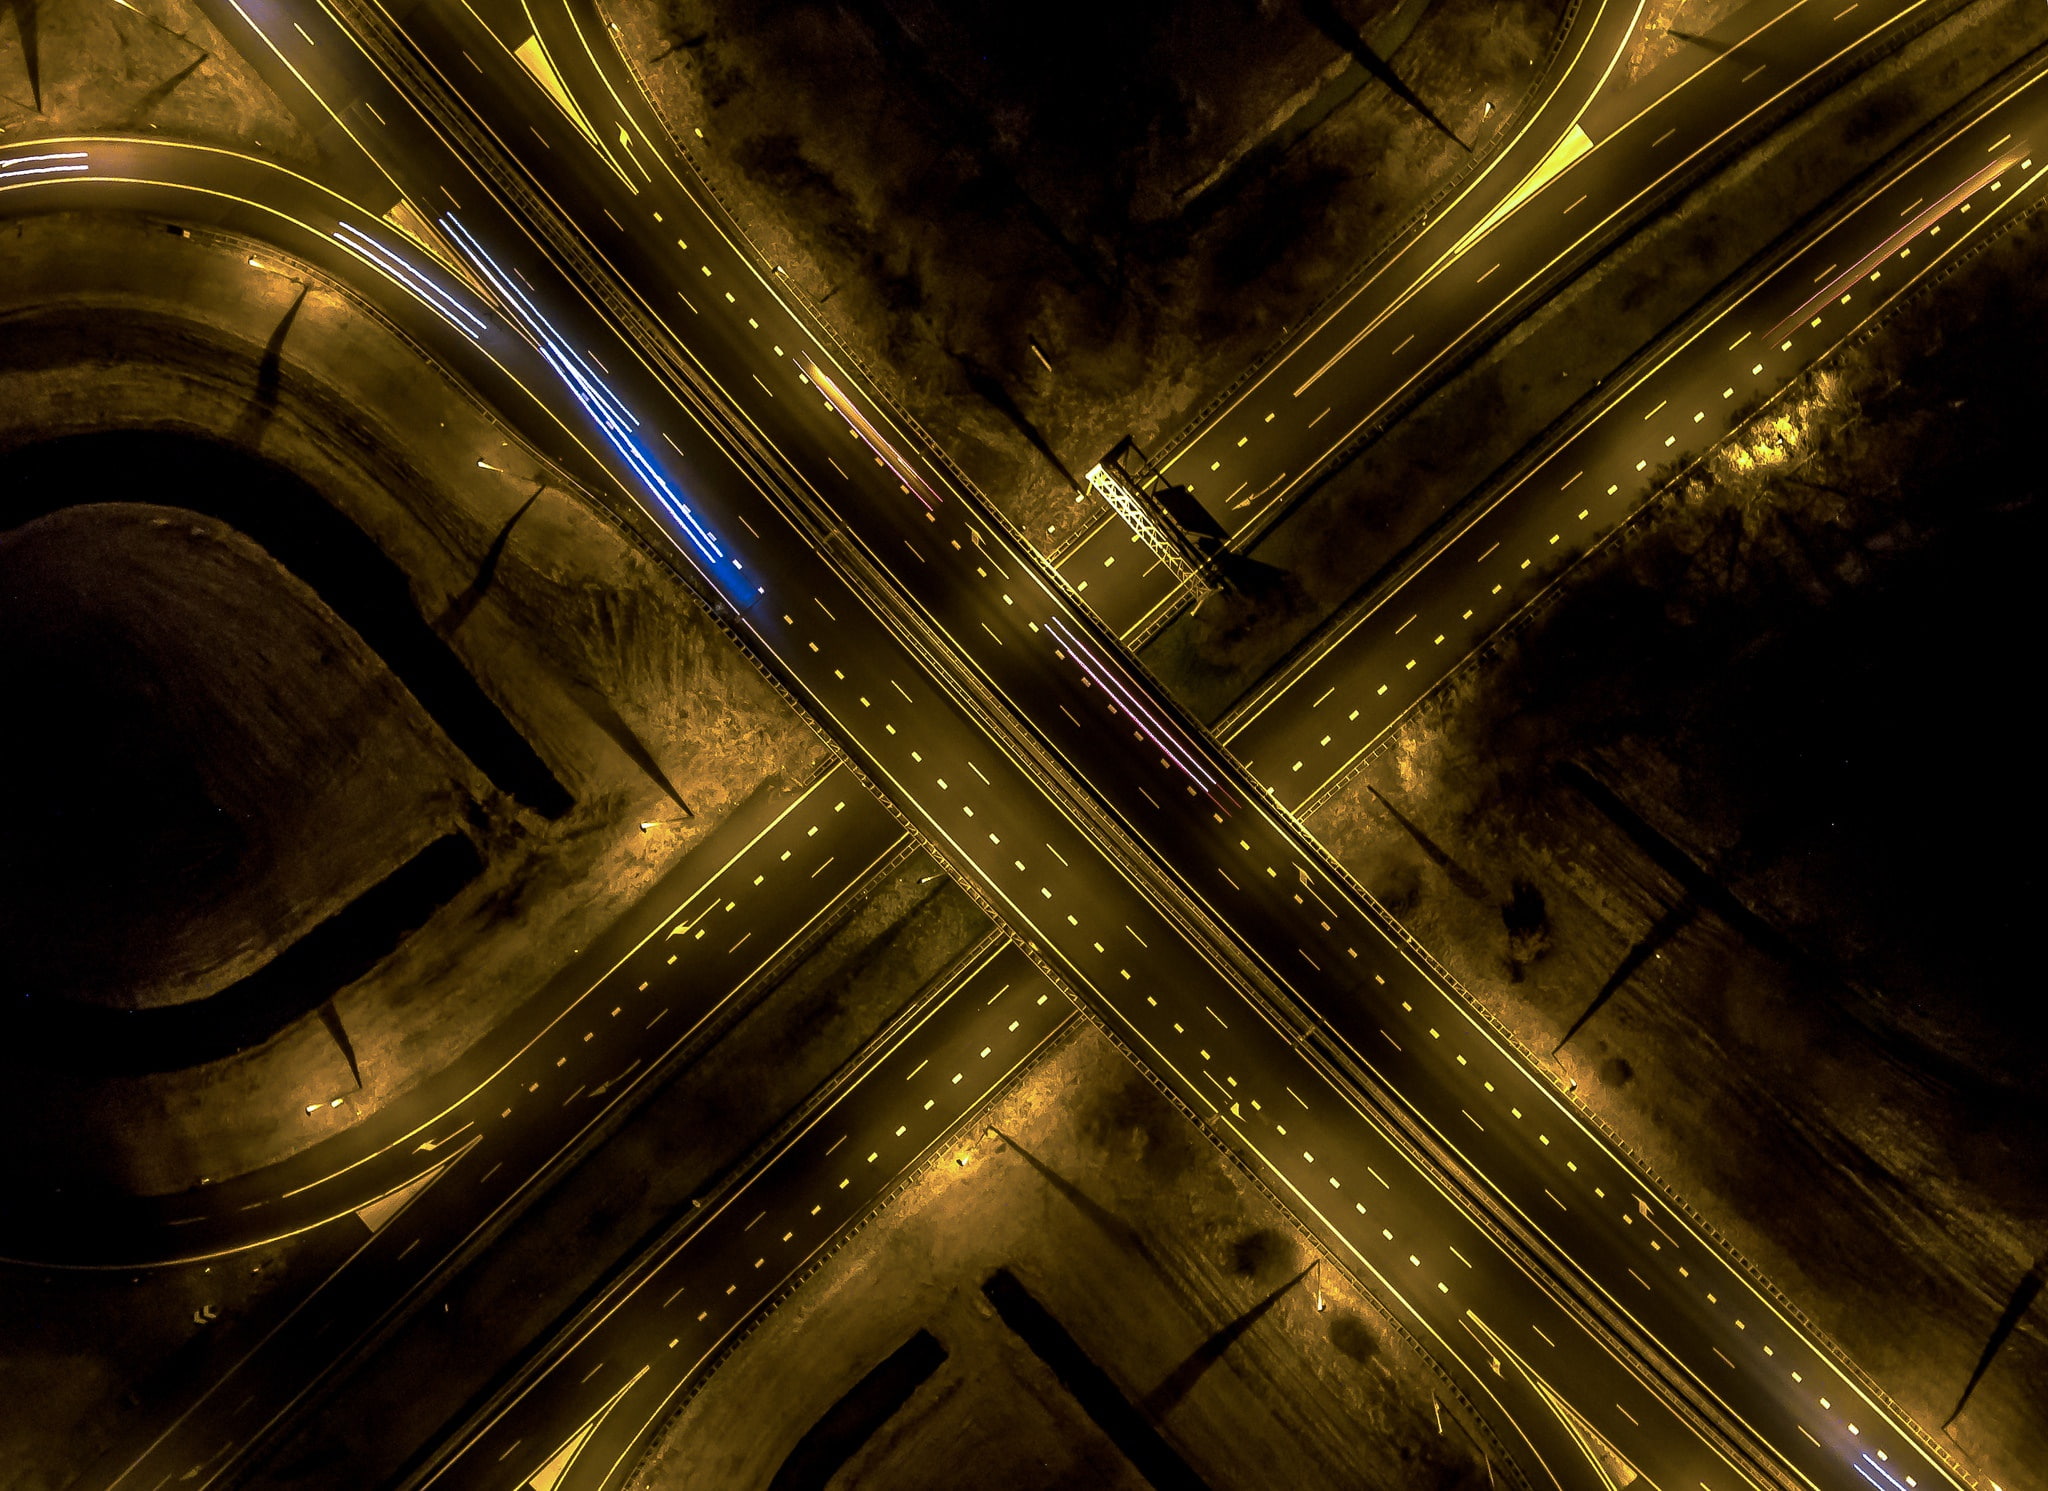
309,612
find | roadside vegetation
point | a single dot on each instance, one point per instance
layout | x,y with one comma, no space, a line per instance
1739,825
1361,522
1184,1287
1047,227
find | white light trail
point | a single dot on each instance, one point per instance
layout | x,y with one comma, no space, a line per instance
394,267
602,405
1135,707
74,162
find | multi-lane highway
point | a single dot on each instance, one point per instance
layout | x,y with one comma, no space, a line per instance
1560,1291
961,623
665,1322
500,1120
992,603
735,928
1305,730
1587,163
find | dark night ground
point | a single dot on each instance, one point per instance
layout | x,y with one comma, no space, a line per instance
1919,1069
962,182
434,650
1352,529
690,1133
1186,1296
1807,671
129,644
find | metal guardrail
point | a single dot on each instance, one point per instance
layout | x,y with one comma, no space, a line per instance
957,678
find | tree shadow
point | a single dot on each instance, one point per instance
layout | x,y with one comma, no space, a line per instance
25,22
147,104
331,1018
1718,48
2015,1310
269,379
679,44
270,371
1526,920
1459,876
1326,18
602,713
462,606
1114,1226
1698,882
1666,927
1178,1383
992,391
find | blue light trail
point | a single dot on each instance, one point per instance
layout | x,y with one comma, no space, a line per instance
610,415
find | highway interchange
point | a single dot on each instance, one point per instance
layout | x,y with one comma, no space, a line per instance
1581,166
1131,856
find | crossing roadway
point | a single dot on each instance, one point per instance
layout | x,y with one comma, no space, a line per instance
1586,161
1122,847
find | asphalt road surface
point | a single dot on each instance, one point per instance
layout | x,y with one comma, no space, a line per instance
738,929
799,427
428,1175
1586,163
1303,734
600,1391
1030,647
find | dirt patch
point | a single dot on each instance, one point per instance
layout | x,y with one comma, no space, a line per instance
151,67
1786,937
192,803
591,656
1046,228
1663,32
1349,533
1131,1232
